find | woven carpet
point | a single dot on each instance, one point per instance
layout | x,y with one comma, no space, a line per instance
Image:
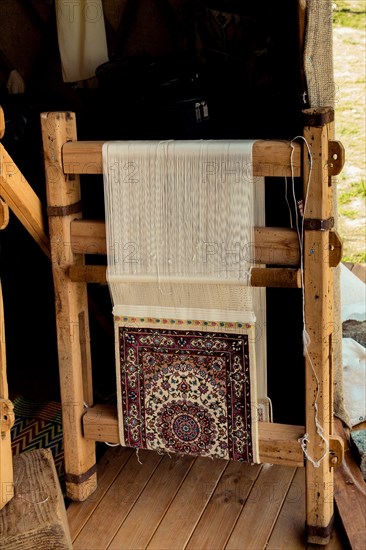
38,425
187,391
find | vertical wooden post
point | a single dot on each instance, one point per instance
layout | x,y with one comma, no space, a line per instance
63,198
6,407
2,123
6,421
318,291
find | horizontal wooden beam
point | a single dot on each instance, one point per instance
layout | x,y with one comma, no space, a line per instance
88,237
275,277
270,158
273,246
278,443
88,274
260,277
276,246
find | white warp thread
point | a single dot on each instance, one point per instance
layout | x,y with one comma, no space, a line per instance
179,224
180,214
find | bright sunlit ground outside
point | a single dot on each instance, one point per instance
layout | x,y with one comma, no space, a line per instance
350,100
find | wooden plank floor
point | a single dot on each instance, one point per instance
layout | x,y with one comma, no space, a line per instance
161,502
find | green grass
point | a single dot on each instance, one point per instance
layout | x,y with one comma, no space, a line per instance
357,190
357,258
346,15
351,214
350,115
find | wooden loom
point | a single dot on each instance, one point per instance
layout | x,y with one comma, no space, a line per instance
71,238
18,195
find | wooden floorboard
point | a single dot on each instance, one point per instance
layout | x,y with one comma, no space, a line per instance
350,494
255,524
223,509
117,502
109,467
160,503
179,522
152,504
289,530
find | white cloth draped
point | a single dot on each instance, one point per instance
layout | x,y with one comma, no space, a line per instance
81,38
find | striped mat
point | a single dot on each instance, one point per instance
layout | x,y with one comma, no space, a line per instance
38,425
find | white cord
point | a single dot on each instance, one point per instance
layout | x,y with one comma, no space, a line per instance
306,338
137,455
288,204
300,232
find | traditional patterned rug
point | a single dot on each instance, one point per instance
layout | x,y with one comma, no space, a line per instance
38,425
187,391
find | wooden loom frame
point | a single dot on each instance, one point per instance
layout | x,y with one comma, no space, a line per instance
18,195
71,238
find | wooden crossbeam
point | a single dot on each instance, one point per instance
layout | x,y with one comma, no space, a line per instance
273,246
270,158
278,443
22,200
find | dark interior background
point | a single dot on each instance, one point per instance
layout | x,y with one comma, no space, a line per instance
239,60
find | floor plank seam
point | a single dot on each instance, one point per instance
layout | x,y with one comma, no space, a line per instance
205,506
244,504
281,507
170,503
126,465
137,497
102,495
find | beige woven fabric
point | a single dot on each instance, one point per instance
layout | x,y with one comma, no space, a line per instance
318,65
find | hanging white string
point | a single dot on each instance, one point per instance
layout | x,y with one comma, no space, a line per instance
305,336
300,230
137,450
288,204
270,409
